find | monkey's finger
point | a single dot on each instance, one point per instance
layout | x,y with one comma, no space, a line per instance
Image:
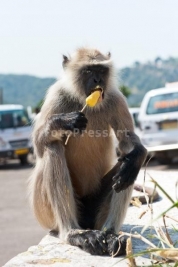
116,186
81,114
103,244
80,125
116,177
95,248
97,240
82,119
80,122
119,186
114,243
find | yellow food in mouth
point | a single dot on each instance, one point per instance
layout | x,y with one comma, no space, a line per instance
93,99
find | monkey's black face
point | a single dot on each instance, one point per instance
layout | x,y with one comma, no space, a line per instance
93,76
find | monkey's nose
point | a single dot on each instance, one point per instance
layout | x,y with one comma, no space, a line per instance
97,79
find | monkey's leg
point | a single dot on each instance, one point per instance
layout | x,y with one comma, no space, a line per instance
52,194
91,241
103,210
116,214
112,211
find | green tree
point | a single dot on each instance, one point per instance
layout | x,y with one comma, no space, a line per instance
125,90
40,103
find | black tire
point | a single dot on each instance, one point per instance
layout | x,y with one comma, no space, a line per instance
23,159
164,161
163,157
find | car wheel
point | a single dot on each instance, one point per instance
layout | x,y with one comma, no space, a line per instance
164,161
23,159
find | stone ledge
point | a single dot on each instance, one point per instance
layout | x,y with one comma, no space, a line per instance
52,252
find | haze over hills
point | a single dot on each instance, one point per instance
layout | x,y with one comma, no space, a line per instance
140,78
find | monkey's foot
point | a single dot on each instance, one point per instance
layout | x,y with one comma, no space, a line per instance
92,241
116,244
98,242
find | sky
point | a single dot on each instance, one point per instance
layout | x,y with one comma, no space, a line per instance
34,34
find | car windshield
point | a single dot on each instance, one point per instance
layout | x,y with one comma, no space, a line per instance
13,118
163,103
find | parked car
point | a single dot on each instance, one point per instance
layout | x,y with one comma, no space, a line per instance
135,112
158,120
15,133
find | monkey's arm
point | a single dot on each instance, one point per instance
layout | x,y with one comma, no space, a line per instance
133,153
56,127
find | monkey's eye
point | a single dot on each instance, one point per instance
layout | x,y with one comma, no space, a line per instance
103,70
86,71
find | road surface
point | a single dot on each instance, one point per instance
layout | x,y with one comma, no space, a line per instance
18,227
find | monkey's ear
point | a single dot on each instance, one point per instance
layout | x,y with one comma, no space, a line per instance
65,61
109,55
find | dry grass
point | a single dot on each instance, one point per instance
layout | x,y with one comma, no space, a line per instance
165,253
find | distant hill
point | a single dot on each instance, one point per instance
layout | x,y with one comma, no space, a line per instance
151,75
140,78
24,89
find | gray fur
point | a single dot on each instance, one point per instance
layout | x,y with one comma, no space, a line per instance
51,185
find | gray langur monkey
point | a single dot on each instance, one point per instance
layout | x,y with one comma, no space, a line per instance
74,189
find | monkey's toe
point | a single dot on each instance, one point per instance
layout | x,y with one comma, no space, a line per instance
116,245
91,241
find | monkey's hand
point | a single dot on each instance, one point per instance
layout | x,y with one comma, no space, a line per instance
68,121
131,164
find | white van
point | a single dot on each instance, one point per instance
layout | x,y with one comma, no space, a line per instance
158,119
15,133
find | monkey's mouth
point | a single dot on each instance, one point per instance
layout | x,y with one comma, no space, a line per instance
99,88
